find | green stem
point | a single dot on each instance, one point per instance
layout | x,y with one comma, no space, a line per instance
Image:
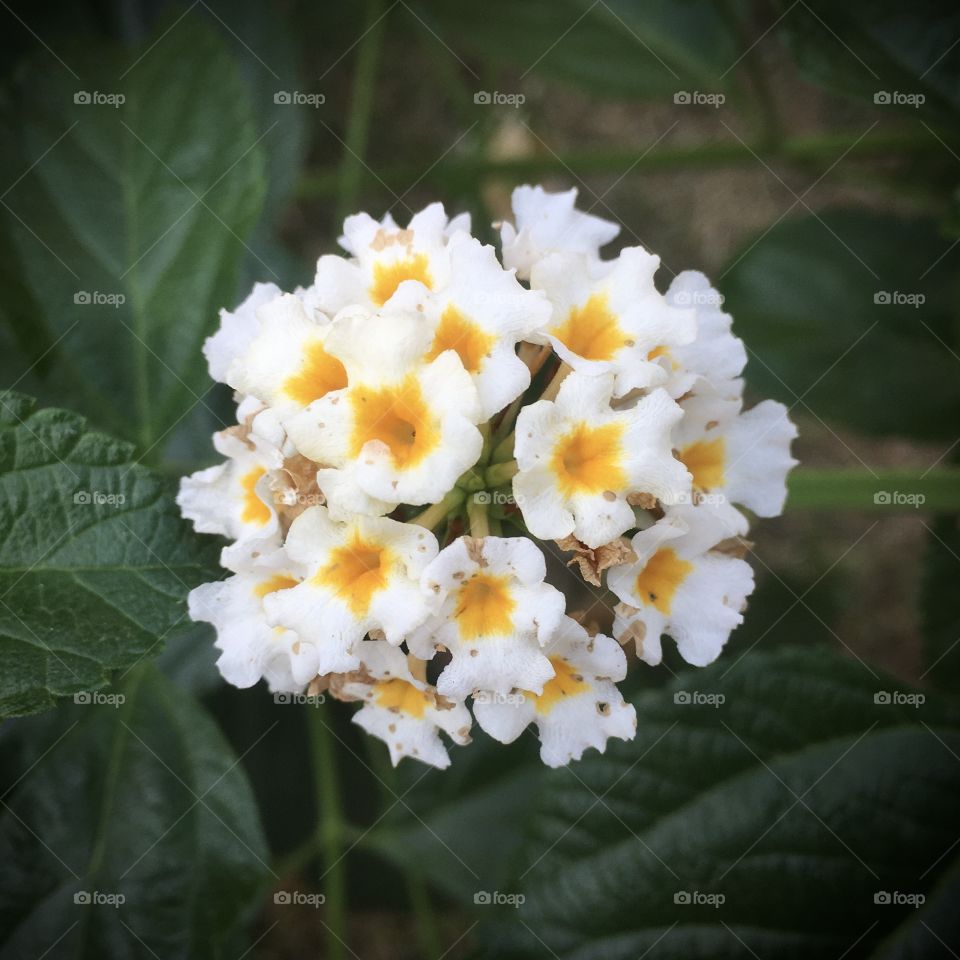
477,516
427,931
501,473
352,170
435,514
891,490
823,149
330,832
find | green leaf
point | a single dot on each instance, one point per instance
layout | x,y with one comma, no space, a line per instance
882,46
618,48
797,799
129,221
95,562
143,800
830,309
940,604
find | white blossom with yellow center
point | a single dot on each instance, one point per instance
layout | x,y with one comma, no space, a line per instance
682,587
402,711
610,318
480,313
546,223
578,460
384,255
233,498
361,575
494,615
251,649
403,430
736,456
579,708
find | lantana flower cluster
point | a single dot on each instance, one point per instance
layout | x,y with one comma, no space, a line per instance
427,424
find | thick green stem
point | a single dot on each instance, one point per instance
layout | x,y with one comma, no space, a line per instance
822,150
330,826
434,515
352,170
890,490
477,516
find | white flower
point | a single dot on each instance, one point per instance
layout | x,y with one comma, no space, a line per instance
286,365
251,648
550,223
236,331
403,712
580,707
360,576
494,614
384,256
578,459
403,431
681,586
740,456
611,321
716,355
233,498
481,313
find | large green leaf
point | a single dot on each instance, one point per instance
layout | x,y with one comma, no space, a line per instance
95,562
871,47
144,801
129,221
799,799
830,308
622,48
940,604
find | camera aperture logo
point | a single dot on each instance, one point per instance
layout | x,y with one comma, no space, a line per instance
898,298
296,898
97,98
97,698
496,498
299,699
896,898
898,498
899,698
96,298
698,898
884,98
297,98
698,698
496,898
697,98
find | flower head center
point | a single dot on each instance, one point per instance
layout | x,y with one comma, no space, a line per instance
588,459
388,276
593,330
397,416
485,607
402,696
658,581
566,682
356,572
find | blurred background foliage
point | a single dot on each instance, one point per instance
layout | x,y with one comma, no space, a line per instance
821,197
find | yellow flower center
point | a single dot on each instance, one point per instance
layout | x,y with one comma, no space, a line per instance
705,459
588,459
279,581
397,416
485,607
320,374
401,695
254,509
457,332
388,276
356,572
593,330
566,683
660,578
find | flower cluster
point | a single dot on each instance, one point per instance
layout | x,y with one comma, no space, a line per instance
420,426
